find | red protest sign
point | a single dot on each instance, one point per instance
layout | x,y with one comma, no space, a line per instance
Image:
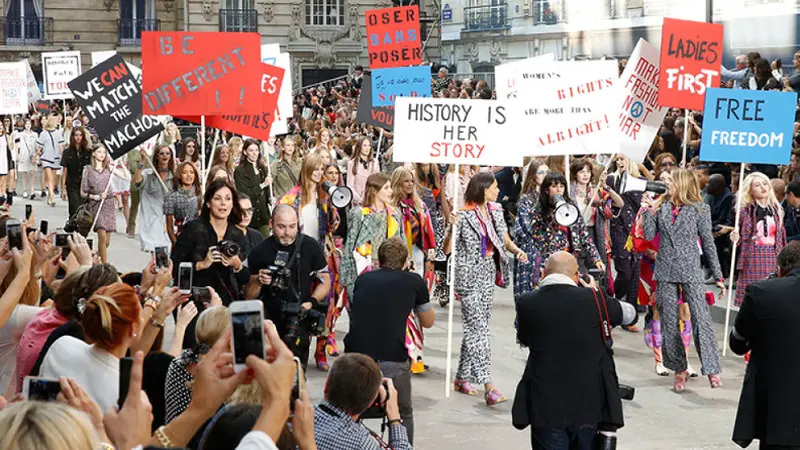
200,73
253,125
393,37
691,56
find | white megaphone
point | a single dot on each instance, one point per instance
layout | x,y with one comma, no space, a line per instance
566,213
633,184
341,196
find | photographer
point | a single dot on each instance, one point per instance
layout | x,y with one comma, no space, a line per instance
291,280
353,385
569,358
381,304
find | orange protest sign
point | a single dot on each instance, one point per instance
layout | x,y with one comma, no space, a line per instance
393,37
200,73
253,125
691,56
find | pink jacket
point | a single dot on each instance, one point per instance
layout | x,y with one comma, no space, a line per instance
358,181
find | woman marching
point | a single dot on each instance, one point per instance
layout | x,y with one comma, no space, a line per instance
95,188
153,188
75,158
286,169
27,151
526,275
252,180
49,147
183,203
429,183
682,218
360,168
6,163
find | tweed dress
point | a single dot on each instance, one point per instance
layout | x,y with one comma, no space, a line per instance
760,247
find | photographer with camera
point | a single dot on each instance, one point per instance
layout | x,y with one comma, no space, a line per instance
353,386
566,326
288,272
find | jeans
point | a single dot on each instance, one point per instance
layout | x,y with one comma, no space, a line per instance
570,438
400,373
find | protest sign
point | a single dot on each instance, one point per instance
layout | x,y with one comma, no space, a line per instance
253,125
455,131
691,56
33,87
43,107
506,75
379,116
271,54
112,99
747,126
190,73
58,69
387,84
13,88
393,37
640,115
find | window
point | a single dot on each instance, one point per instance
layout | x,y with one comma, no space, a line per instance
23,21
135,16
325,12
548,11
239,15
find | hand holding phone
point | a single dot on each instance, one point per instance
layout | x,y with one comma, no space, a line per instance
40,389
247,325
125,366
14,234
185,272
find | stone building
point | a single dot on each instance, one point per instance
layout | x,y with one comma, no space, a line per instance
326,38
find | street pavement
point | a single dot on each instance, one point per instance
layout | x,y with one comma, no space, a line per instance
700,418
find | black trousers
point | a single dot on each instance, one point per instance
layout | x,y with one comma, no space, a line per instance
569,438
74,198
626,283
400,374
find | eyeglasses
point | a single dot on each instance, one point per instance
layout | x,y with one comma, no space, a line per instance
248,211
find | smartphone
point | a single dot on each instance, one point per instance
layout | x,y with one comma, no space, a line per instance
91,243
162,258
43,227
299,383
125,365
185,277
28,211
14,234
40,389
60,239
247,324
201,296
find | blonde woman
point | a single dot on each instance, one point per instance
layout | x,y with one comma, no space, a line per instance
682,219
172,137
49,147
762,233
236,146
360,168
46,425
286,169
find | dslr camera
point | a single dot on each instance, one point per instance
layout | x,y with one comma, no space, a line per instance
229,248
281,275
378,409
301,322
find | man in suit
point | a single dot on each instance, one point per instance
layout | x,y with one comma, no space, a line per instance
766,326
569,387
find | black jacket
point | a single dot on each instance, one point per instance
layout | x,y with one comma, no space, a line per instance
766,324
569,379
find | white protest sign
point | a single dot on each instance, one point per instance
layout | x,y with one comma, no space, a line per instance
455,131
639,115
13,88
564,106
34,94
271,54
58,69
506,75
98,57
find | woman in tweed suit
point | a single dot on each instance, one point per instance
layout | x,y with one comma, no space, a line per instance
682,218
481,262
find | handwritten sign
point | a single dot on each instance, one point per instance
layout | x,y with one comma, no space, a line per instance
393,37
640,115
271,54
691,55
43,107
747,126
455,131
388,84
58,69
112,98
507,75
190,73
378,116
13,88
34,94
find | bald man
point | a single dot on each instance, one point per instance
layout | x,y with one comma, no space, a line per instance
569,379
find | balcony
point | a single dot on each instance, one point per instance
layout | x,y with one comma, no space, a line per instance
549,12
26,30
486,17
129,31
241,20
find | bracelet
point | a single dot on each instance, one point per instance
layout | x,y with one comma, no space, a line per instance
395,421
152,322
163,440
103,446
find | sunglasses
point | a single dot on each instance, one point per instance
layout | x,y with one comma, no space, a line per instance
667,164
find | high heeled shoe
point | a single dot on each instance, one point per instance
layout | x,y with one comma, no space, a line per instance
680,381
464,387
714,381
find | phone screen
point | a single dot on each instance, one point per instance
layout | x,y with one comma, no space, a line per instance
162,259
61,240
91,243
125,365
296,386
14,233
42,389
201,296
43,227
248,335
185,278
28,211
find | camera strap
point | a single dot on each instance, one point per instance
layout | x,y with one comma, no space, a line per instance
295,256
605,321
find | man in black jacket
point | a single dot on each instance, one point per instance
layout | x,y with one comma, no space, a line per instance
766,325
569,387
791,211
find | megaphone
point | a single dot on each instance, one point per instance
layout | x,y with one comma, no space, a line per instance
566,213
341,196
633,184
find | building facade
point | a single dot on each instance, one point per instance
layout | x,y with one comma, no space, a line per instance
326,38
479,34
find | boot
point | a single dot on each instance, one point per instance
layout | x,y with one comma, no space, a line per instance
319,355
330,347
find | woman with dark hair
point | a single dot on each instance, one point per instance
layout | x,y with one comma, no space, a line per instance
77,156
429,185
203,241
360,167
481,262
765,81
526,274
222,158
153,188
189,152
183,203
252,179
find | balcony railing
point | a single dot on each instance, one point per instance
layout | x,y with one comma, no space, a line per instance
238,20
486,17
549,12
26,30
129,31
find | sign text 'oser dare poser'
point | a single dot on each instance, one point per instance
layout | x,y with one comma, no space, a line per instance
454,131
745,126
393,37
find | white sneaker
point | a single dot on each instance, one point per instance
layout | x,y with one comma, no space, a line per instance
25,194
691,371
661,370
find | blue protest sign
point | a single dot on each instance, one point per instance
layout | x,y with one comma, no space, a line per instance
747,126
414,81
